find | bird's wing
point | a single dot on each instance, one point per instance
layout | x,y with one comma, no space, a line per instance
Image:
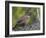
22,19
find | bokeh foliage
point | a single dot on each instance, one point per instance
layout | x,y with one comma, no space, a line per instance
18,12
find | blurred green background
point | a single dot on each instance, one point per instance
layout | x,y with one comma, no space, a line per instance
18,12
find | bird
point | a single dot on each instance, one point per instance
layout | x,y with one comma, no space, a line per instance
25,19
22,21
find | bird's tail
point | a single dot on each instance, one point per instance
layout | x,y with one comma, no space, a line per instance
14,26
